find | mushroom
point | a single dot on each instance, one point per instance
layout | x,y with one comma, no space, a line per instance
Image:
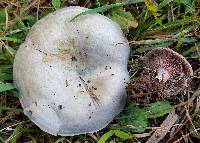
71,76
165,74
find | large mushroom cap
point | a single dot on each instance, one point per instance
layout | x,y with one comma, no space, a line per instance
72,75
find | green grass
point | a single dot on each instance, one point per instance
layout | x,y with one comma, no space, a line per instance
161,23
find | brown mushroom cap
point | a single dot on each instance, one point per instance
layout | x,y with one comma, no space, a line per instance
168,64
164,75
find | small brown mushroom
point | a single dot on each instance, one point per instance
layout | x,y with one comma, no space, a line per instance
165,74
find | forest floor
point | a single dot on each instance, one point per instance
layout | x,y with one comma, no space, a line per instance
147,24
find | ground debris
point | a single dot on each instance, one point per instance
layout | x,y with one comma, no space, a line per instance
165,127
147,88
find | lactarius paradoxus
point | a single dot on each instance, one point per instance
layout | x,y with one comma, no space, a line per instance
164,75
71,75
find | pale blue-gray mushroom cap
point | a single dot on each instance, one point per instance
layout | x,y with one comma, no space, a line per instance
71,76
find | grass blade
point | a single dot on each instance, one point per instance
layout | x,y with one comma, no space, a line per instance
106,136
164,3
11,39
107,7
1,139
122,135
169,26
8,109
191,50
